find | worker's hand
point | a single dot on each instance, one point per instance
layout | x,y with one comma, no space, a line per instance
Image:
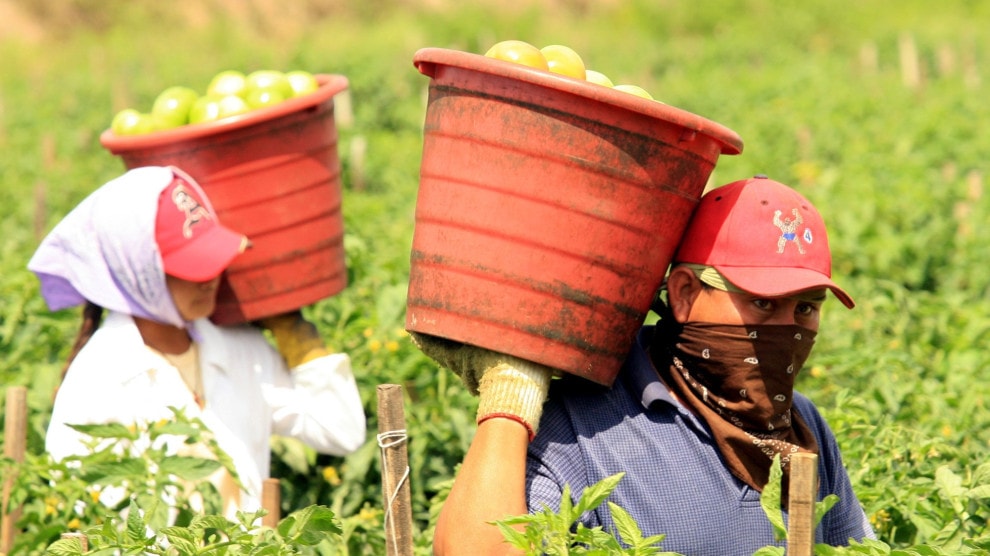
506,386
297,339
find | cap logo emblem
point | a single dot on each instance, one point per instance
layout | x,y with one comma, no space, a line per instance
188,205
788,230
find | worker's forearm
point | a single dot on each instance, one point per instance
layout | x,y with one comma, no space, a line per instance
490,486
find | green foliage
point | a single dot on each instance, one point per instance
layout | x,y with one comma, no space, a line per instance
560,533
124,465
823,101
298,533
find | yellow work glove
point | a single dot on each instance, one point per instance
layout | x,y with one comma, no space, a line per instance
297,339
506,386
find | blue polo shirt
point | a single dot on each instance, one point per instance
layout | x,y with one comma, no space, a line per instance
676,481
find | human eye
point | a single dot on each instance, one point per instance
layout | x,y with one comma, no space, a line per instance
806,309
762,304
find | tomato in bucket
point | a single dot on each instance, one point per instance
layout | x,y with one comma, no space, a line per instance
272,174
548,210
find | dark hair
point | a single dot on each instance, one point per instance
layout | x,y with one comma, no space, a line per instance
92,316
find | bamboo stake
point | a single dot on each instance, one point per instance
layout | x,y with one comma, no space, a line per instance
801,504
271,500
14,445
395,471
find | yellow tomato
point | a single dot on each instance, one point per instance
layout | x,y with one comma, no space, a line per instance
597,77
520,52
563,60
634,90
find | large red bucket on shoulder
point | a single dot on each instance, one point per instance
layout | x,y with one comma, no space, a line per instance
272,174
548,210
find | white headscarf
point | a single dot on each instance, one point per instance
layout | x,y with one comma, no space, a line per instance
104,250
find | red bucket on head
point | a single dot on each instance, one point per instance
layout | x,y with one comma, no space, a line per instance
272,174
549,209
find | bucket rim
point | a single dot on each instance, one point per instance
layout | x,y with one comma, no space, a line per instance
427,59
329,86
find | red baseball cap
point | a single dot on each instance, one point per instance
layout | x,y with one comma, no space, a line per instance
763,237
193,244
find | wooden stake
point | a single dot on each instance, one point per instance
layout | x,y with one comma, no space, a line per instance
271,500
40,210
910,64
801,504
83,541
14,445
395,471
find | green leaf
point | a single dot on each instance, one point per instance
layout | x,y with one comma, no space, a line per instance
188,468
313,524
65,547
136,529
183,545
594,495
949,482
770,500
981,492
172,533
176,428
107,430
203,522
981,476
628,529
513,536
822,508
114,472
770,551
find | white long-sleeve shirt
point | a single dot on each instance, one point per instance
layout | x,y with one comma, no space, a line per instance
249,395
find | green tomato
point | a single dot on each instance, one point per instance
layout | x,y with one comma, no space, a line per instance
131,122
268,80
212,108
302,82
260,98
205,109
171,107
227,82
232,105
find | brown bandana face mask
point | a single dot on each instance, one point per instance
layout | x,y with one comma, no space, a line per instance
740,380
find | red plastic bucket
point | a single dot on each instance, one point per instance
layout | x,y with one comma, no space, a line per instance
548,210
274,175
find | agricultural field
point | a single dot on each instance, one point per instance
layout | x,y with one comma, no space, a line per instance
873,110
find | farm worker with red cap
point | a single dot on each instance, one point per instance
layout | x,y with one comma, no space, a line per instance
147,249
702,405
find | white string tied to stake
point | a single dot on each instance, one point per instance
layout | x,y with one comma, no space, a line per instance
391,439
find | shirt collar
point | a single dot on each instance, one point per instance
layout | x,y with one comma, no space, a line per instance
641,376
213,351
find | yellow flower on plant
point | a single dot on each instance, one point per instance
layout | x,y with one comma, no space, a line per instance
369,514
331,476
392,346
375,346
94,495
879,518
74,523
368,332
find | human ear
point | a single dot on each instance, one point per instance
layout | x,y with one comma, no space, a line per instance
683,288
